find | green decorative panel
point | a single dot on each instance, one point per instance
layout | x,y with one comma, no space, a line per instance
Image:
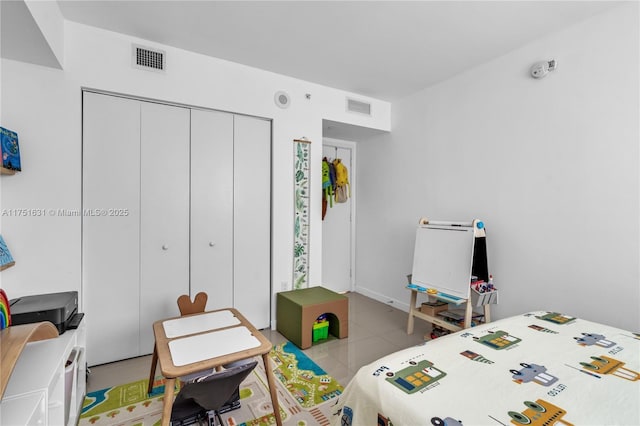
301,153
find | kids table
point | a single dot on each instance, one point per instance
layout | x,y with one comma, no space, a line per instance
199,342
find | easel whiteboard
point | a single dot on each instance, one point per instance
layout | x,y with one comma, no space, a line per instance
443,258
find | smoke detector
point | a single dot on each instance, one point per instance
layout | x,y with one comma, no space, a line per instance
542,68
282,99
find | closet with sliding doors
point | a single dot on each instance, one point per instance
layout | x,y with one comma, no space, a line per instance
176,200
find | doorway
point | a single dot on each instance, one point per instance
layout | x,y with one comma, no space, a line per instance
338,226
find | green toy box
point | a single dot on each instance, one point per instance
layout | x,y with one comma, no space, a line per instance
320,331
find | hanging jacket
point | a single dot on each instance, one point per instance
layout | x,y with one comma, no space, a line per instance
327,185
343,188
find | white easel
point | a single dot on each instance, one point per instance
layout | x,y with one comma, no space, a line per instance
446,255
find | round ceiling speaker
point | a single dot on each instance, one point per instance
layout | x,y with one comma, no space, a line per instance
282,99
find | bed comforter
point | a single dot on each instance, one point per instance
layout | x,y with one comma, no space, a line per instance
539,368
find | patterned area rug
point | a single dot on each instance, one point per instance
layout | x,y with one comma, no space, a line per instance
305,394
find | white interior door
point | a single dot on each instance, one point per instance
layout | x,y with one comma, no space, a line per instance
337,245
252,219
212,206
164,210
110,244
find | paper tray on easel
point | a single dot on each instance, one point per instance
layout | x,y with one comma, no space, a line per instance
486,298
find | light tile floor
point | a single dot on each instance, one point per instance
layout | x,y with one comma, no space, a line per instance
375,329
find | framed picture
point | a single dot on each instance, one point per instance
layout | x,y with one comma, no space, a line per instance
6,259
10,150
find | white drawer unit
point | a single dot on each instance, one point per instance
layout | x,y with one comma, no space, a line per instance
48,383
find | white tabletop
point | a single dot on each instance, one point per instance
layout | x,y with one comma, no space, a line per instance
198,323
190,349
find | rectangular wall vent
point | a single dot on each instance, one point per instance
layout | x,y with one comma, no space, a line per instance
358,106
148,59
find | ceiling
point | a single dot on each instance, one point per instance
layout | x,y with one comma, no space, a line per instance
382,49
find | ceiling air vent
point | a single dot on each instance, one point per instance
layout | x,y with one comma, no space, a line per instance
358,106
148,59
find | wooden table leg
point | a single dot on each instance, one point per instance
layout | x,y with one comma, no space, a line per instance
412,308
167,404
272,388
152,373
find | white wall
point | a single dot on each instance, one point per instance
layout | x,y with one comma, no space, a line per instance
51,23
550,165
44,106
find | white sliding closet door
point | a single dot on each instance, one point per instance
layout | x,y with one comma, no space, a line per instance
252,219
182,203
110,244
212,206
164,214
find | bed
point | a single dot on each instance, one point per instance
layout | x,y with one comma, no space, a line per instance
539,368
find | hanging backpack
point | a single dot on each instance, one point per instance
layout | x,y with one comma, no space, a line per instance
343,189
327,185
332,176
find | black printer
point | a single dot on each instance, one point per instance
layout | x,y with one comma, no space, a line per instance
61,309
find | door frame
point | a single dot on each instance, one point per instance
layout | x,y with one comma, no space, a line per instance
350,145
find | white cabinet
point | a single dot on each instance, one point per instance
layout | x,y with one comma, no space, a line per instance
164,214
252,219
212,206
42,390
179,201
136,221
231,212
111,245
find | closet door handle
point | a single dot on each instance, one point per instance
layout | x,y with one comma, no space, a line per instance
165,247
211,244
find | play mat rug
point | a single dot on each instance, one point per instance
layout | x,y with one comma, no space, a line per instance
305,393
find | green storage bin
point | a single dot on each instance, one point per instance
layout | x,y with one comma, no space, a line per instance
320,331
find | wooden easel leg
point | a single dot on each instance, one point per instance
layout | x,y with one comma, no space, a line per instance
487,313
467,314
412,308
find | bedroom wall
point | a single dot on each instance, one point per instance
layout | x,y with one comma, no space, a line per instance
50,22
44,106
550,165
